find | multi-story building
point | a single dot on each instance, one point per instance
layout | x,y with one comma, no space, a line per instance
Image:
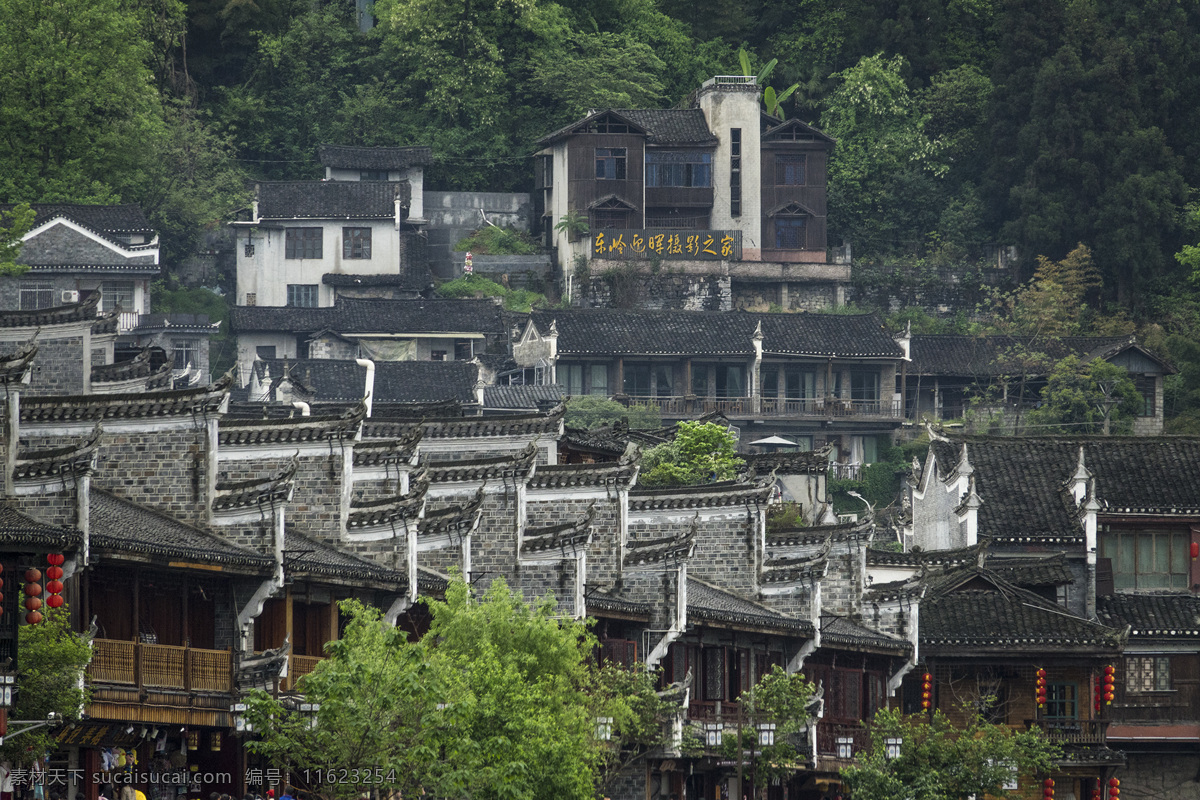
719,187
817,380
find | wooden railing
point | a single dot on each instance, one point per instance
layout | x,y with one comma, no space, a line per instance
841,741
161,666
1073,731
299,666
769,406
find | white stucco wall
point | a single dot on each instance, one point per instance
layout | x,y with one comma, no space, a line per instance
267,272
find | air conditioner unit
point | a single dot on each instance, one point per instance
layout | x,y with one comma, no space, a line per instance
70,296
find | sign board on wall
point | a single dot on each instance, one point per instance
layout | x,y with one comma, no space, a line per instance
680,245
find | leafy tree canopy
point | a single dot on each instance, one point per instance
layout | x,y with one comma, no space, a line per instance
50,679
499,700
14,224
592,411
942,761
701,452
1092,397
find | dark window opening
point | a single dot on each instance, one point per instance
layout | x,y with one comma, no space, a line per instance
302,295
791,233
791,170
302,243
676,168
373,175
36,295
735,172
610,163
356,242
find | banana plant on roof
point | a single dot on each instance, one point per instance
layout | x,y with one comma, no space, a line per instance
772,102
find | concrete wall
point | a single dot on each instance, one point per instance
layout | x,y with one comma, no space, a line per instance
453,215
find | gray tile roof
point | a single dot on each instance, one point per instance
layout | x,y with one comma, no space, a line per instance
973,611
1132,473
304,555
609,332
987,356
708,603
18,529
1152,616
839,632
352,316
290,200
672,126
413,279
467,427
342,381
339,156
121,526
103,219
58,315
524,398
234,431
141,405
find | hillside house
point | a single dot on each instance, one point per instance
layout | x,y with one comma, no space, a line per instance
819,380
381,330
74,251
948,372
302,241
714,189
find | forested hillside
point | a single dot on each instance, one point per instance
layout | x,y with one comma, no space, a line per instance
1037,123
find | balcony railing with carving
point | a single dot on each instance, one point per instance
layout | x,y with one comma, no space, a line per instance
673,405
1073,731
298,667
161,666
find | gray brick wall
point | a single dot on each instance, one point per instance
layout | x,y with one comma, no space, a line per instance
59,366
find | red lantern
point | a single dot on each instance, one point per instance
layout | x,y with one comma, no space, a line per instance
33,575
927,691
1195,550
55,559
33,617
54,601
33,603
33,589
54,573
54,587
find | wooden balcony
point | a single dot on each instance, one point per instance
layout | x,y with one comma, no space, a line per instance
160,666
840,743
1073,731
298,667
771,407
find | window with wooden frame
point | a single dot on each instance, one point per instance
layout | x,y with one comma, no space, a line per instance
1147,387
1062,701
1145,674
611,163
791,232
302,243
791,169
356,242
1147,559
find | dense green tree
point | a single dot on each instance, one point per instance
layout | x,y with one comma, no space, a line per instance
942,761
701,452
1087,160
1087,397
883,173
50,666
77,100
592,411
14,224
498,700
